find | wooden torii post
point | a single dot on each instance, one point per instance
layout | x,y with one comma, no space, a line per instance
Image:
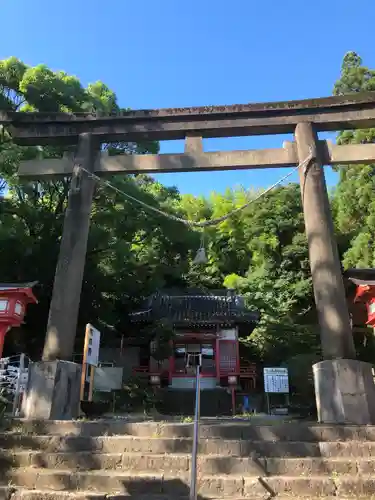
303,118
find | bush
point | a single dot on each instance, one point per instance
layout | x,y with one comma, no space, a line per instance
95,409
136,395
160,335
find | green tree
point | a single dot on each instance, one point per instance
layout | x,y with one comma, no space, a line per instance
277,280
262,253
131,251
354,204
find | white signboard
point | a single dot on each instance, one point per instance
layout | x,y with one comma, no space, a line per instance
229,334
108,379
93,345
276,380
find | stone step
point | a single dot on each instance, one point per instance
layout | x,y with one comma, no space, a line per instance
130,444
284,431
213,486
22,494
11,493
176,463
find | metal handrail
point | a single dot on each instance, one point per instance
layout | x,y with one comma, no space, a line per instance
194,453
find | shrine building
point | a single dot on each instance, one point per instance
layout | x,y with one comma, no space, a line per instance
209,324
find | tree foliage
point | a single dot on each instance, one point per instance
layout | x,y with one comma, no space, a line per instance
131,252
354,196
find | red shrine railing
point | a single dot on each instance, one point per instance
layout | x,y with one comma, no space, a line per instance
244,370
248,372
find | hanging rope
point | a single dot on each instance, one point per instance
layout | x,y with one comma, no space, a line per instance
206,223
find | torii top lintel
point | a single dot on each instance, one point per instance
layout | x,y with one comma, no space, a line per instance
328,114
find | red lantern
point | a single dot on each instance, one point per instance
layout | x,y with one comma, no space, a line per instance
366,294
371,312
14,299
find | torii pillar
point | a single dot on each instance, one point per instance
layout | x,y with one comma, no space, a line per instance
54,383
344,387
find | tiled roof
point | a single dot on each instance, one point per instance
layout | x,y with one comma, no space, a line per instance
360,276
14,286
204,309
363,282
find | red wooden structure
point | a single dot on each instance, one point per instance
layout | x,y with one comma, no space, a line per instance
208,324
14,298
361,296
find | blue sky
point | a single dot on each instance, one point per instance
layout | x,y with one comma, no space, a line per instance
171,53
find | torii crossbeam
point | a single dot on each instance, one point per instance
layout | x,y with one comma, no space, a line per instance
327,114
304,118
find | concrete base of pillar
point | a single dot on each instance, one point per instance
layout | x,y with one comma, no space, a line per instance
53,391
345,392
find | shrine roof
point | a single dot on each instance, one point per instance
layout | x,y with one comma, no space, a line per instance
219,307
15,286
360,276
357,281
362,271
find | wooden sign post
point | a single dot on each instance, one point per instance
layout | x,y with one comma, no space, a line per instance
90,361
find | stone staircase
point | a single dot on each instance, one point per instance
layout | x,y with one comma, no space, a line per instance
129,460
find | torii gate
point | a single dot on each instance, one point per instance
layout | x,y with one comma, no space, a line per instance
339,372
